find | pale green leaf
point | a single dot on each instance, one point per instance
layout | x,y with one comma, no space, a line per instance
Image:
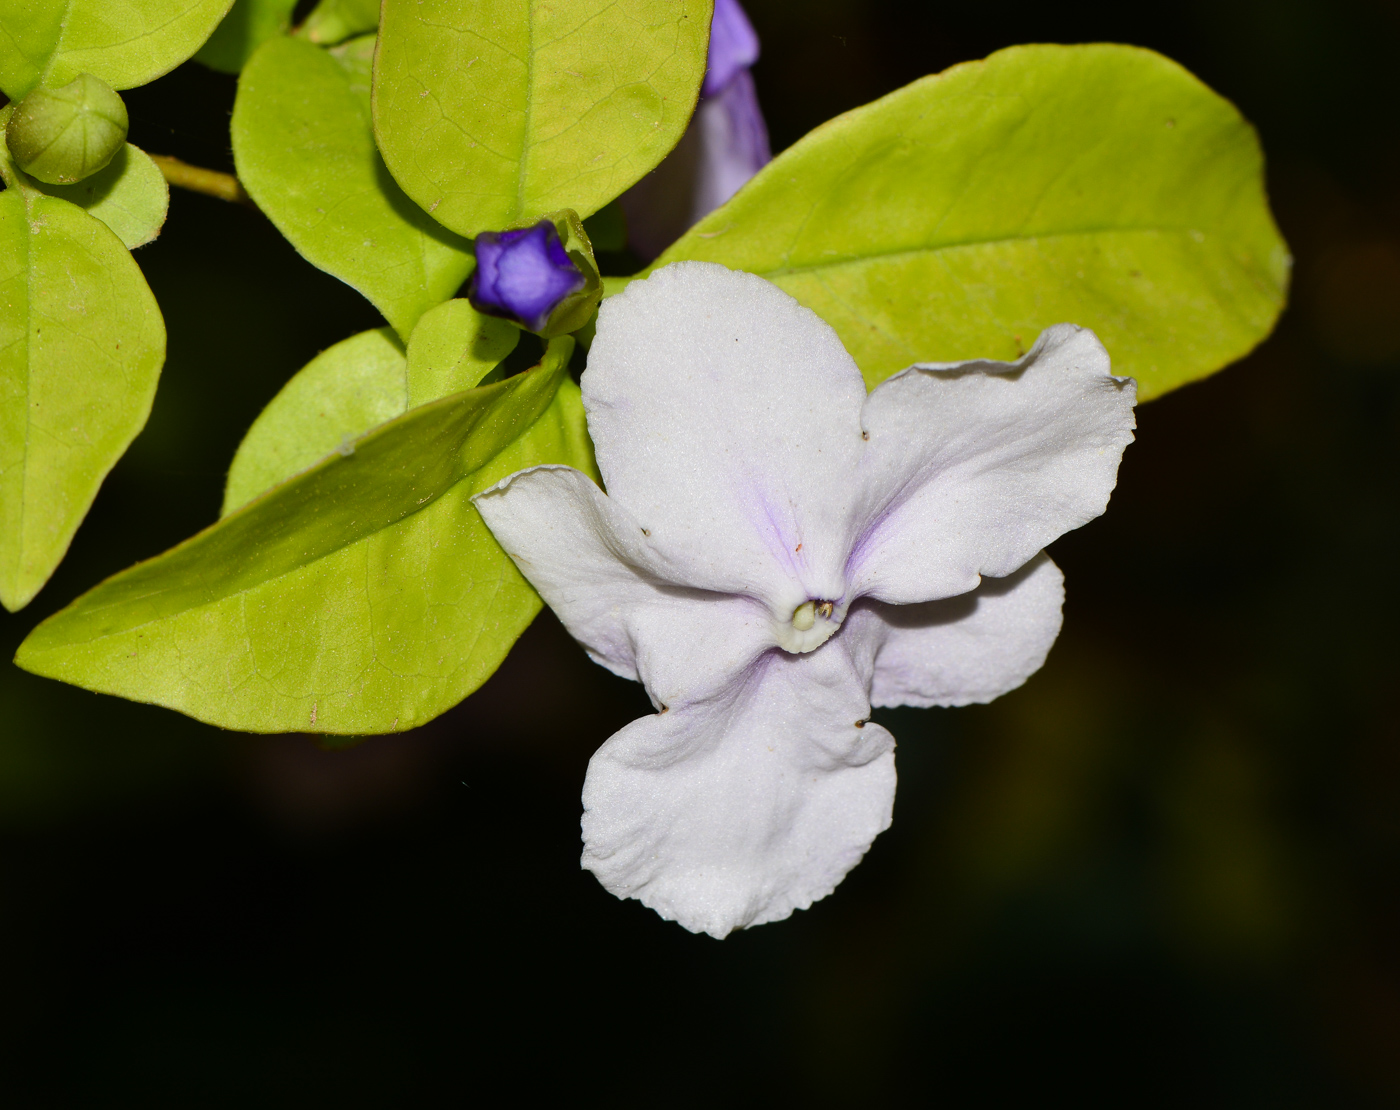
124,42
333,21
364,595
491,113
333,400
453,348
957,217
248,25
360,383
130,196
305,153
81,347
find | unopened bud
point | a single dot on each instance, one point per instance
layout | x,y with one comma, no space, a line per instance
59,136
542,277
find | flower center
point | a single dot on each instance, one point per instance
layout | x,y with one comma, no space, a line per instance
809,627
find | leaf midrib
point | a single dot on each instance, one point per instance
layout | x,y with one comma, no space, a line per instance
997,240
58,47
526,145
119,602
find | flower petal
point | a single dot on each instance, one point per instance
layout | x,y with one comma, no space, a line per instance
973,467
725,417
733,144
618,597
738,810
965,649
725,145
733,46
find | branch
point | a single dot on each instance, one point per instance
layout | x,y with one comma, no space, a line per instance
199,180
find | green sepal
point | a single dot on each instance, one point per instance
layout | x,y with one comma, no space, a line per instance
959,216
575,310
363,595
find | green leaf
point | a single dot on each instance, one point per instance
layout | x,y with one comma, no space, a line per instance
491,113
362,382
248,25
337,397
130,196
455,347
305,153
81,347
50,42
333,21
364,595
956,218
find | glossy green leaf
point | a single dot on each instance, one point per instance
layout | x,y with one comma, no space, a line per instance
124,42
491,113
130,196
248,25
454,347
81,347
333,400
360,383
363,595
333,21
305,153
957,217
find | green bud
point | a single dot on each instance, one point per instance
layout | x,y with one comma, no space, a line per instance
59,136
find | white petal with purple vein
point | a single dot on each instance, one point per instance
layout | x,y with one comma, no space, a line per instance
618,597
725,417
973,467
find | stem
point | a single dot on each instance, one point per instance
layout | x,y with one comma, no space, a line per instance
199,180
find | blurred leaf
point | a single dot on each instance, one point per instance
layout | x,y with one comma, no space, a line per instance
455,347
81,347
364,595
248,25
493,112
126,44
957,217
333,21
306,155
130,196
334,399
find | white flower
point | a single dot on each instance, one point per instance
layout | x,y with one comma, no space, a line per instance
776,552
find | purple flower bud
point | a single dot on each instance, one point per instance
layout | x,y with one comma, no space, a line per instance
523,275
733,46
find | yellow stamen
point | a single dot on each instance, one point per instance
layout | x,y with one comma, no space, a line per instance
804,616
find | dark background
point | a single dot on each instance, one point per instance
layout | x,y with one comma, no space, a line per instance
1166,872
